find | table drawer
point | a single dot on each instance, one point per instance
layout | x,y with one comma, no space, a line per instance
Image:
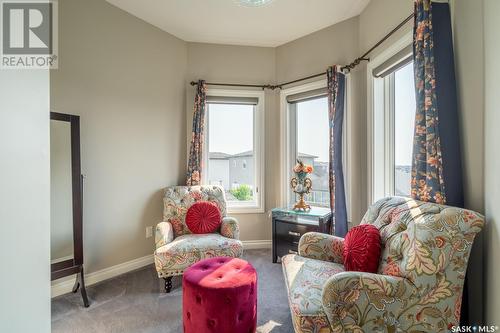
283,248
291,232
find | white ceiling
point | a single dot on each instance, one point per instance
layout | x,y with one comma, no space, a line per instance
227,22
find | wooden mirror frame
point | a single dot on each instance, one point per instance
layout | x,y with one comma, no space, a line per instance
75,265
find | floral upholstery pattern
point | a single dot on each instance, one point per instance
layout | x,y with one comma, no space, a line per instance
320,246
230,228
176,247
173,258
304,280
418,288
178,199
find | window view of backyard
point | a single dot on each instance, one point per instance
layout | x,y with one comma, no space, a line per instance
312,146
231,150
404,121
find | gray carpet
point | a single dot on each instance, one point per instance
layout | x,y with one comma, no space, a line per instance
133,303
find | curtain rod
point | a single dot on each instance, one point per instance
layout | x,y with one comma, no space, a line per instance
347,68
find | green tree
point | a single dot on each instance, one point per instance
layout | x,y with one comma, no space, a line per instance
242,193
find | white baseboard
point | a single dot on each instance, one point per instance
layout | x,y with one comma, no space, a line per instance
64,285
257,244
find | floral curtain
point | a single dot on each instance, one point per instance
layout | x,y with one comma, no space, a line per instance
336,91
195,163
437,161
427,181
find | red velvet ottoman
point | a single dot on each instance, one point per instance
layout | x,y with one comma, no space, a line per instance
219,295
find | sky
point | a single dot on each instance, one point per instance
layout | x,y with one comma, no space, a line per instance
231,126
312,128
404,120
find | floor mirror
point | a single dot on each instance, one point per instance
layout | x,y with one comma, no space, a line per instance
66,192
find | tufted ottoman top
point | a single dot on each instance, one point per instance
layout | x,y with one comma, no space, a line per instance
220,273
219,295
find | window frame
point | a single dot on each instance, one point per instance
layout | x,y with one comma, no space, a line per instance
256,206
381,117
287,134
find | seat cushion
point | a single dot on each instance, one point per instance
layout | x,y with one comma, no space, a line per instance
304,278
203,217
173,258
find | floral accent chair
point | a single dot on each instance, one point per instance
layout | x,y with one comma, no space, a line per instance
176,247
418,287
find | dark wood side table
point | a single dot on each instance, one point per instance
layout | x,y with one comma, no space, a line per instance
290,225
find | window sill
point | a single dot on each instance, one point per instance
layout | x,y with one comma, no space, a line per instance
244,210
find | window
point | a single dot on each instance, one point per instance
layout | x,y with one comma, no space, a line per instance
392,123
312,146
404,122
235,147
307,138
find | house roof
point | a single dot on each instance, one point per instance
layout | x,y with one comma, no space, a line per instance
304,155
218,156
245,153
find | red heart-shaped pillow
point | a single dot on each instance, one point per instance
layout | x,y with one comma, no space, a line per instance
362,249
203,217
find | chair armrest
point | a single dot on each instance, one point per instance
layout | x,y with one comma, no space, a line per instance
366,302
164,234
229,228
320,246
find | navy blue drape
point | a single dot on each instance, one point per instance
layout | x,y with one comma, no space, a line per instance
446,93
446,98
336,92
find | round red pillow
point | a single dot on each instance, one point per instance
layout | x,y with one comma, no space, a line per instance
362,249
203,217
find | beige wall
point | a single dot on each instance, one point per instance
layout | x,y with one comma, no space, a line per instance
380,17
469,70
24,201
312,54
259,65
241,64
492,159
136,108
468,44
125,79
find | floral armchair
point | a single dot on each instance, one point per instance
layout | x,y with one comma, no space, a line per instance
418,287
176,247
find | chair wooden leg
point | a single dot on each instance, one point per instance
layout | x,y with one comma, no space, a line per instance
168,284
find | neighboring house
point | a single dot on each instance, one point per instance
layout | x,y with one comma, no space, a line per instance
233,170
241,169
320,188
218,169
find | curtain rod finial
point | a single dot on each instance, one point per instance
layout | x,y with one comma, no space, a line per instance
193,83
